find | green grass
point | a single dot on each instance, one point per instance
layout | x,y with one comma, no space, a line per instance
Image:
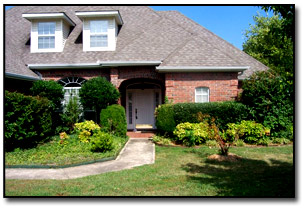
55,154
263,172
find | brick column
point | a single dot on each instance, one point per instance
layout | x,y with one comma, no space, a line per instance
114,80
169,86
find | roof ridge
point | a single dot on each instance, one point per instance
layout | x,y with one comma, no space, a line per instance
177,49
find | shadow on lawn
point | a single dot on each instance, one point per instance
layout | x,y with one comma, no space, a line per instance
246,177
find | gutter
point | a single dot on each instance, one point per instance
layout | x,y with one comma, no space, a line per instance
99,64
21,77
165,69
128,63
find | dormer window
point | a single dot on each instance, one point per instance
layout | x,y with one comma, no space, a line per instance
49,31
100,30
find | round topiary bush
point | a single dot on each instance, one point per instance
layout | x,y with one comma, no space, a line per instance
98,93
113,120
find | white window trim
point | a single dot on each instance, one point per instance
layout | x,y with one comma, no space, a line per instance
199,94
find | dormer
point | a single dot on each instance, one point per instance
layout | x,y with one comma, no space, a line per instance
49,31
100,30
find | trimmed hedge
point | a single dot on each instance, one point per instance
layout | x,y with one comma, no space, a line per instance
113,120
27,120
170,115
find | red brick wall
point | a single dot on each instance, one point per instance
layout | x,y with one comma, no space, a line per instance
118,75
83,73
180,87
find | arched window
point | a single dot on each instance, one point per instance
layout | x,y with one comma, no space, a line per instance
71,86
201,94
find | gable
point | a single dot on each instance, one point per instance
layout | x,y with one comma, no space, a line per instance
146,35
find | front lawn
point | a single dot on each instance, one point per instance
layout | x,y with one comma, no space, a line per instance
54,153
262,172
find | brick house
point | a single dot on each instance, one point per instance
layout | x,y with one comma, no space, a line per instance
148,55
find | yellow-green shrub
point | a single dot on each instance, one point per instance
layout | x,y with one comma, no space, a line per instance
192,133
86,129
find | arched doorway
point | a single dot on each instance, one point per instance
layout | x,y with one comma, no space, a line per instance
140,97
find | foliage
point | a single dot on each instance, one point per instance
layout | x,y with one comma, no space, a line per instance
168,116
239,142
101,142
287,12
280,141
161,140
264,141
50,90
192,133
98,93
211,143
55,153
270,100
165,122
86,129
63,138
113,120
27,120
249,131
267,42
72,112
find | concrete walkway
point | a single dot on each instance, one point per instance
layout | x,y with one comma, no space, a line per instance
137,152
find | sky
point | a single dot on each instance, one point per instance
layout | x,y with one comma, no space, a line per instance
228,22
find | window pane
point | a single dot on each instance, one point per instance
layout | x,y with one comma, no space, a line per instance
202,94
99,41
46,42
46,28
98,26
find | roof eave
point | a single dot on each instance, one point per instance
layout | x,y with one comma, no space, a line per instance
21,77
40,16
165,69
94,14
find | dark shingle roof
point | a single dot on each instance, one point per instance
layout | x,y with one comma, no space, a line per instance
146,35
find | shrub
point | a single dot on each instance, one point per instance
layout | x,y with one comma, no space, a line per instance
113,120
161,140
165,122
211,143
168,116
249,131
27,120
239,142
98,93
50,90
264,141
101,142
281,141
86,129
192,133
223,112
71,114
270,98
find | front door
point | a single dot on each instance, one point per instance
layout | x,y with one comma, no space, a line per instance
140,108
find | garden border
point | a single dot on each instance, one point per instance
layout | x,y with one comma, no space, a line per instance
34,166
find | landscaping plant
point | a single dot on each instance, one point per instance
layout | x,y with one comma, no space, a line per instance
98,93
86,129
113,120
27,120
101,142
71,113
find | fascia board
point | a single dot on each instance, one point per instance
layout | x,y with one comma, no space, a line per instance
200,69
37,16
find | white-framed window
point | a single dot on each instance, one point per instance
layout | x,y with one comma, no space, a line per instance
201,94
69,93
46,35
98,33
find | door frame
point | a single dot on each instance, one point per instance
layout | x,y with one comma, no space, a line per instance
134,106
